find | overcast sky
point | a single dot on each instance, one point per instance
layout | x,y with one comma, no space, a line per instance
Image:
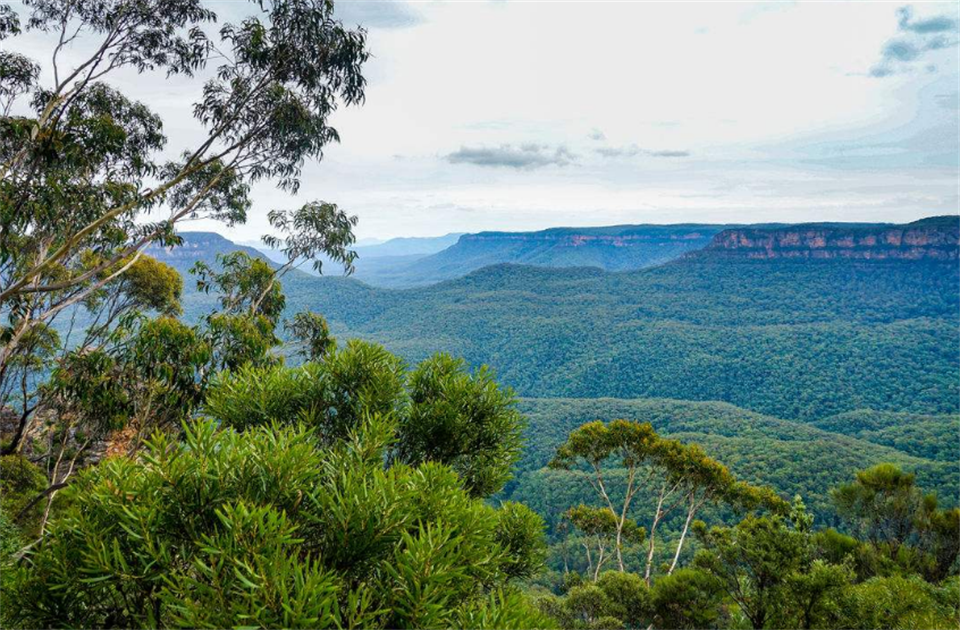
510,115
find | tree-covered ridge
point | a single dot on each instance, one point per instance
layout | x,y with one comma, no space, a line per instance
788,456
929,436
792,339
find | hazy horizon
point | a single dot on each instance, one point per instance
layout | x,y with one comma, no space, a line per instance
519,116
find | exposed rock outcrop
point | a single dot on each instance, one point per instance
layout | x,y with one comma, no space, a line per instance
936,238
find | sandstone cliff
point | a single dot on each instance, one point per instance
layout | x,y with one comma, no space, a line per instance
936,238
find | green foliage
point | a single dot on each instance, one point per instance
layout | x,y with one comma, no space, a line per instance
249,571
311,332
902,602
463,420
361,379
794,339
789,457
503,610
88,390
252,396
680,476
687,598
20,482
334,395
244,284
11,541
82,167
752,561
152,285
163,362
519,531
882,504
238,340
448,416
928,436
817,595
614,600
271,527
313,229
902,526
628,597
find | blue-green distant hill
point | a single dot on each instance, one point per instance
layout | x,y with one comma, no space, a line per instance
410,262
377,263
615,248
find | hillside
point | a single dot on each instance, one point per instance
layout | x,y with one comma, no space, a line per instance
615,248
931,436
792,338
791,457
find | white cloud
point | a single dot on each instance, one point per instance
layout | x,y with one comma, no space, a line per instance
773,111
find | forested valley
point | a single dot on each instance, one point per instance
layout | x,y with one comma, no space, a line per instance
757,427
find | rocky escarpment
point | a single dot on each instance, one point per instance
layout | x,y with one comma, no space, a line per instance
198,247
936,238
616,236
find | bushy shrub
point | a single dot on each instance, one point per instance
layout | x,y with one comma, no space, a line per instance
461,419
444,413
275,527
20,483
333,395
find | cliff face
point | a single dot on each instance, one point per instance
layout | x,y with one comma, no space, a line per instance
198,246
567,237
930,239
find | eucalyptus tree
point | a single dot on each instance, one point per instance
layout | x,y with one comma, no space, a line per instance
84,187
886,508
600,528
676,476
594,444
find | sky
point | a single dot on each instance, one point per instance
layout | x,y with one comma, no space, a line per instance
523,115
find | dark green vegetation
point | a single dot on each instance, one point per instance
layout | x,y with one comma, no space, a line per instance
932,437
791,457
294,519
792,339
772,569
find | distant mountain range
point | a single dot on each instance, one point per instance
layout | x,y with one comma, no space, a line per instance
867,323
411,262
616,248
376,260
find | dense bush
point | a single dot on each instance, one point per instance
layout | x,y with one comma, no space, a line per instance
270,527
443,412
